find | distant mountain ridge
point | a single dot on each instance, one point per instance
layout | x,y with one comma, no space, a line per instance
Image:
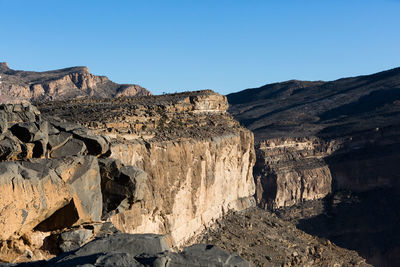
303,108
337,142
67,83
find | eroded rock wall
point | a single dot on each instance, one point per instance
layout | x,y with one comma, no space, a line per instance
191,183
198,159
292,170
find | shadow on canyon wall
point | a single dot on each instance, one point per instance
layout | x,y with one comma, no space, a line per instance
363,213
366,222
359,114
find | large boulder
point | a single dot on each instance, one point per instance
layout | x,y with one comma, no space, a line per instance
71,240
10,148
142,250
28,196
196,255
48,194
73,147
122,186
59,139
96,145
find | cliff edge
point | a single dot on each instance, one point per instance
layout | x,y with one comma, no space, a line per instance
198,159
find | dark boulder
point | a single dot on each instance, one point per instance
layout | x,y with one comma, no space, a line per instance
59,139
73,147
73,239
96,145
142,250
10,149
121,186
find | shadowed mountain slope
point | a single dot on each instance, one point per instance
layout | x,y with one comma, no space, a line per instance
325,140
336,108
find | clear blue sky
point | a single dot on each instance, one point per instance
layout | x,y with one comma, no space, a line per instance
224,45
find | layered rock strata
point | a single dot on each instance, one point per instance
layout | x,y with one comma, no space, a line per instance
198,160
345,131
292,170
322,139
28,86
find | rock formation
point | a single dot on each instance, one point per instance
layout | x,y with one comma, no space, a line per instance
169,165
292,170
317,139
50,179
198,160
60,190
28,86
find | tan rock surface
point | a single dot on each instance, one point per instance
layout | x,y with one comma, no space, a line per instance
28,86
33,191
198,159
194,183
292,170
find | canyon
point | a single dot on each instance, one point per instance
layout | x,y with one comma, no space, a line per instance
334,144
289,174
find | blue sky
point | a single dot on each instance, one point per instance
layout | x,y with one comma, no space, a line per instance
224,45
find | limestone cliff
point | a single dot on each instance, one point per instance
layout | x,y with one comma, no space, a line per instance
198,159
28,86
292,170
60,191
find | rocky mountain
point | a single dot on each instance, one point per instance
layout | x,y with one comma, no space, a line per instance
28,86
337,141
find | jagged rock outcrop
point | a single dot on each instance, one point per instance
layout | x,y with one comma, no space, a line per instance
50,180
73,181
310,135
28,86
32,191
198,159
